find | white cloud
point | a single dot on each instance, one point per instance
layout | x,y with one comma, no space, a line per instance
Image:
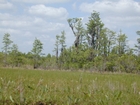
115,12
15,24
41,1
28,34
23,30
74,5
132,43
2,1
48,12
5,5
111,7
27,23
4,16
7,29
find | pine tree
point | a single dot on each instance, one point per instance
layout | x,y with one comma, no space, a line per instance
6,48
36,51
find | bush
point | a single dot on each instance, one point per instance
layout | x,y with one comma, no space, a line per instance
110,66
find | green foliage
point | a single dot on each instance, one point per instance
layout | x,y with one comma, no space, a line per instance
6,42
1,58
99,63
62,40
138,32
37,49
77,29
129,63
94,27
121,40
109,66
138,44
14,55
56,49
6,47
95,48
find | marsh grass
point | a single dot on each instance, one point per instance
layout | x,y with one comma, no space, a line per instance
36,87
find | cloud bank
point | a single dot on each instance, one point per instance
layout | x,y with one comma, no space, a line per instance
116,12
41,1
51,12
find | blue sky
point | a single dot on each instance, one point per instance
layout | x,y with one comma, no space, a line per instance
26,20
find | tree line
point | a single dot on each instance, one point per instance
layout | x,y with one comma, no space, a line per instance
96,48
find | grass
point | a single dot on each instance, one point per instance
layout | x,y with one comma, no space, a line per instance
37,87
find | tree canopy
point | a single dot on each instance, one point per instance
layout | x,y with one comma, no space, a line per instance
95,48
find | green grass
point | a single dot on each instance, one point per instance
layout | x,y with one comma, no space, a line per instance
37,87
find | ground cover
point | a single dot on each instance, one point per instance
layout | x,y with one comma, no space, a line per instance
39,87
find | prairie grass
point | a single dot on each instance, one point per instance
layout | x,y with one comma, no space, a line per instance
37,87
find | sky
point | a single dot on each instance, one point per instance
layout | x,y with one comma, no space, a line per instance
26,20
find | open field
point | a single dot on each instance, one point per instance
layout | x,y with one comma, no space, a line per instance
36,87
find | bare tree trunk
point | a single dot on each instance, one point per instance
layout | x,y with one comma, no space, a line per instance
76,42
